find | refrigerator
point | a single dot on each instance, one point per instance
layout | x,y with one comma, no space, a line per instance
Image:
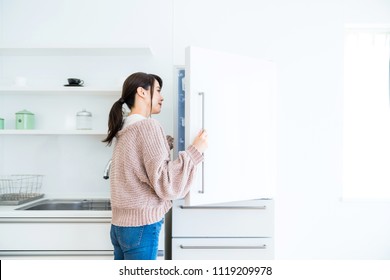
233,97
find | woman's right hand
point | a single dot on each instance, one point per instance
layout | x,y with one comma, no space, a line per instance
201,141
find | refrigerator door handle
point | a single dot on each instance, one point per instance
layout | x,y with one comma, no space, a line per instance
202,95
205,247
225,207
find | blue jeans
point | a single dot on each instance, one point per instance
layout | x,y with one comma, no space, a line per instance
136,243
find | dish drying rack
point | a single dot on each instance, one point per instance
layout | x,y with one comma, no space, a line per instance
18,189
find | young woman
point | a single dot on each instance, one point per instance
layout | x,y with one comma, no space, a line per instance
143,178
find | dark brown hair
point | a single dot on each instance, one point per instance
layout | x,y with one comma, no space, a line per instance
129,90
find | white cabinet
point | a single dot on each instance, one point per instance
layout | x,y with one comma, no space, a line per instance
72,238
58,238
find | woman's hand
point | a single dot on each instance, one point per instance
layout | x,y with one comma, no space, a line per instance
170,141
201,141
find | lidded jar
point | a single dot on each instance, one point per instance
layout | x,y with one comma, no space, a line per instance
24,120
84,119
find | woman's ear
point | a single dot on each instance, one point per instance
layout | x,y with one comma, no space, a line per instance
141,92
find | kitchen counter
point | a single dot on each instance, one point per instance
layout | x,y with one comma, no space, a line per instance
9,211
57,234
48,234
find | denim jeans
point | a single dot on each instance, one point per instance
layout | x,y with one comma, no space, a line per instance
136,243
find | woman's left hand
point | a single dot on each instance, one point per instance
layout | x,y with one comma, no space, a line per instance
170,141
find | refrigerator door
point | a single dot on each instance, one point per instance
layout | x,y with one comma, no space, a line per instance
234,98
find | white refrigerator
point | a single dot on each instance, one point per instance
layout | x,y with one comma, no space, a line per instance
233,97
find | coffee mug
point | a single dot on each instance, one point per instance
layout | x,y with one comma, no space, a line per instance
74,81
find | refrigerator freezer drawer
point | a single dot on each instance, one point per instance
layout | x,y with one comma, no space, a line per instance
222,248
252,218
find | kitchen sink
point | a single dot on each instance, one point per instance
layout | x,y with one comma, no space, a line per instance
70,204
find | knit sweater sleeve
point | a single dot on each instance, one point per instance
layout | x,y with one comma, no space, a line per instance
170,179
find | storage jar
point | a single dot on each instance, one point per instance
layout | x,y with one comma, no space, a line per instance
24,120
84,120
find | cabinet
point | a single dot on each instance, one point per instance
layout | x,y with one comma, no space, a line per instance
72,238
63,235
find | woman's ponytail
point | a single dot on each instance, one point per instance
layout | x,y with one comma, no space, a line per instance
115,121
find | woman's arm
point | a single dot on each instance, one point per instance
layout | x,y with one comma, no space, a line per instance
170,179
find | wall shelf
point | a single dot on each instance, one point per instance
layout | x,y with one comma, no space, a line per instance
76,51
51,132
59,90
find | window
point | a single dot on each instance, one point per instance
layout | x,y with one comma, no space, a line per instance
366,115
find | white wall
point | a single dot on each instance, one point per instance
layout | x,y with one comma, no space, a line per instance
95,23
74,165
305,39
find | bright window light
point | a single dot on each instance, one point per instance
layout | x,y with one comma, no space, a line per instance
366,115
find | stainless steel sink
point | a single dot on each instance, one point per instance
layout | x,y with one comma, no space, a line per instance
70,204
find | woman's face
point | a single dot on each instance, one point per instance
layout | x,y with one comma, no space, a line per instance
157,98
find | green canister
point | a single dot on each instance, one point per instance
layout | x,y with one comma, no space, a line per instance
1,123
24,120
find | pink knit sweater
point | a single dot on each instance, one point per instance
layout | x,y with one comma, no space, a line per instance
143,178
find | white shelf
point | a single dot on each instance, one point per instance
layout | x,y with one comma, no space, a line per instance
75,51
51,132
59,89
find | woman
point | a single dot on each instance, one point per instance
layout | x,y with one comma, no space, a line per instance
143,178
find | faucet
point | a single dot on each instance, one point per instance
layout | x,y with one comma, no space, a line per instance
106,173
